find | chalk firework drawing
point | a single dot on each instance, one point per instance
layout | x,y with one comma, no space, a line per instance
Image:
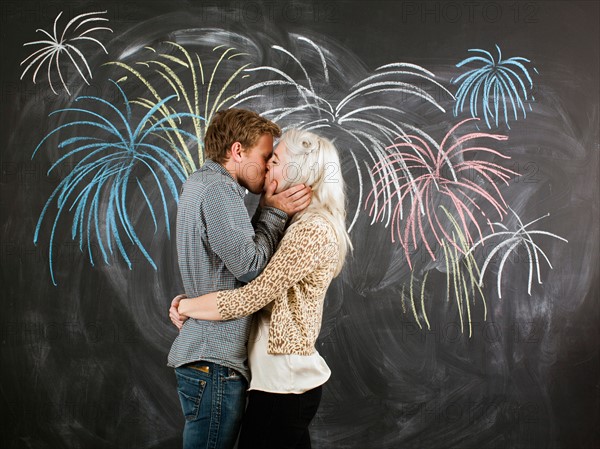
462,281
495,88
67,43
168,68
436,174
371,123
511,241
113,152
430,194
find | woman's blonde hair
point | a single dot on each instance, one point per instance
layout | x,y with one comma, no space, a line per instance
313,160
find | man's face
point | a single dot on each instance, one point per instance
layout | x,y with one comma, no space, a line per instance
252,169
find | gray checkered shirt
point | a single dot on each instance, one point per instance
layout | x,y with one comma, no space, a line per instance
219,248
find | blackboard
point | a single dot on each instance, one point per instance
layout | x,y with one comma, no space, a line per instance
435,340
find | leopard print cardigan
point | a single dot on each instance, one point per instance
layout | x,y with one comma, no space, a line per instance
296,281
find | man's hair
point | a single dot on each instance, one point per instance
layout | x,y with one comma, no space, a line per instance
235,125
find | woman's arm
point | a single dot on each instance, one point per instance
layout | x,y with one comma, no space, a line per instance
201,307
302,250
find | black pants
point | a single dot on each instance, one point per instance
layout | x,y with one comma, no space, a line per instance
279,421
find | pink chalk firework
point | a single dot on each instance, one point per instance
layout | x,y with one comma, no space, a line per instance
428,177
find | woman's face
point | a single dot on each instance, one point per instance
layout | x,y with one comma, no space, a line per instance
278,169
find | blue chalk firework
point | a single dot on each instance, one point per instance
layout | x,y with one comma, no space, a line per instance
112,154
495,88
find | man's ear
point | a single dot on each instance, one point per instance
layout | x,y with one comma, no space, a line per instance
236,151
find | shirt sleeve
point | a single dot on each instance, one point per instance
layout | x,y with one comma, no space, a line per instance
301,251
264,219
243,249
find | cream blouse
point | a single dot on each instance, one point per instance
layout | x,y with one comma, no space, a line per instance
281,373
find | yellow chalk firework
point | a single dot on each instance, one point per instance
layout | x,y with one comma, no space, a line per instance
462,274
412,297
167,67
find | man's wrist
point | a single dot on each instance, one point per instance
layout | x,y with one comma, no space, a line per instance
280,216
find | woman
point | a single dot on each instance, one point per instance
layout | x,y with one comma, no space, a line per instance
287,371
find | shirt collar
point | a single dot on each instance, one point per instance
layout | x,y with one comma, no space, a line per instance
215,166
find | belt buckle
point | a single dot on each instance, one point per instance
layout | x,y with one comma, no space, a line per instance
202,368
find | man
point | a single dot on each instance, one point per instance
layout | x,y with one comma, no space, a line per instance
219,248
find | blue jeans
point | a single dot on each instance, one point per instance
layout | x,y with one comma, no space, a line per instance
213,398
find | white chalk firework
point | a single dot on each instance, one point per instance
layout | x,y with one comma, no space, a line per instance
362,113
49,55
512,240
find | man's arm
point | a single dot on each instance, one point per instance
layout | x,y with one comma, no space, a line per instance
243,250
288,202
263,219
